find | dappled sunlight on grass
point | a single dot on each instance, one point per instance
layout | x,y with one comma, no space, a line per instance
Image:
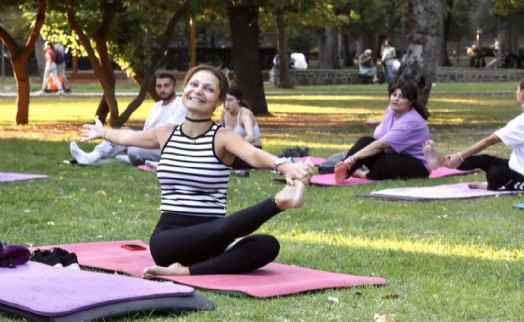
345,98
304,142
423,246
482,101
285,108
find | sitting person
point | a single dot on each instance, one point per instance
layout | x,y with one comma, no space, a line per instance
366,66
395,151
238,118
500,173
168,110
193,235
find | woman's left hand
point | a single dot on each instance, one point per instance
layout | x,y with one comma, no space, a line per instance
298,171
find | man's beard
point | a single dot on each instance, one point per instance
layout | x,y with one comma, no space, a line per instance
168,96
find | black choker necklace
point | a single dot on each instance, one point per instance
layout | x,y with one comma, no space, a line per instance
198,120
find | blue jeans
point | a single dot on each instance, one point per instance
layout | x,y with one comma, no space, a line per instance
388,74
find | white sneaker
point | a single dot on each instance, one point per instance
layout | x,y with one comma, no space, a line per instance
40,93
80,156
152,164
122,158
60,92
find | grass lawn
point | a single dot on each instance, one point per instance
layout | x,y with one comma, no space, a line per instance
444,260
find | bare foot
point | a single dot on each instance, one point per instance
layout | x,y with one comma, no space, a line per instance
360,174
341,173
434,159
291,196
173,269
478,185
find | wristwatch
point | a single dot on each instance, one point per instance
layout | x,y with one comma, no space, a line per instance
278,162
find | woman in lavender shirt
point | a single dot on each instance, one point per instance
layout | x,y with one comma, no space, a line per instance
395,150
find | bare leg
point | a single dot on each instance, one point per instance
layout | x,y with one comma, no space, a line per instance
173,269
434,159
478,185
291,196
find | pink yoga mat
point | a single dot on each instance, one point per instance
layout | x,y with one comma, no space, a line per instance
440,192
329,179
272,280
13,176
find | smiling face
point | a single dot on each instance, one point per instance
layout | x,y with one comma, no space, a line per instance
201,94
399,103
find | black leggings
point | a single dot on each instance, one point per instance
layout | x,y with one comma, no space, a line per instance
498,173
385,166
200,243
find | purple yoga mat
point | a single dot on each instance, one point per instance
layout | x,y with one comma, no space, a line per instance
329,179
13,176
272,280
48,291
447,191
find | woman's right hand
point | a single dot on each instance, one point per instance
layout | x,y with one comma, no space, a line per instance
92,132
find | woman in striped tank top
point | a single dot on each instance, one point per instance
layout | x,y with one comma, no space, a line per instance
193,235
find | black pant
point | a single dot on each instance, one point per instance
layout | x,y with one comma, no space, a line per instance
200,243
498,173
385,166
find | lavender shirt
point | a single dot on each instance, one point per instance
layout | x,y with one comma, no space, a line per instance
405,134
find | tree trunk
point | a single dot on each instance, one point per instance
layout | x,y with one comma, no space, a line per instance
102,65
23,90
245,54
19,57
331,57
323,53
509,32
346,52
420,63
283,81
333,48
444,58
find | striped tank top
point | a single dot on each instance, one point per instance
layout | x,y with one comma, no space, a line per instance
193,180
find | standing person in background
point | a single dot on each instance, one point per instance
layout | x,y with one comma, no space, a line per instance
50,69
168,110
61,66
238,118
388,58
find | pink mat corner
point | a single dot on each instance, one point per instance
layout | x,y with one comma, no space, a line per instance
272,280
329,178
315,160
446,172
